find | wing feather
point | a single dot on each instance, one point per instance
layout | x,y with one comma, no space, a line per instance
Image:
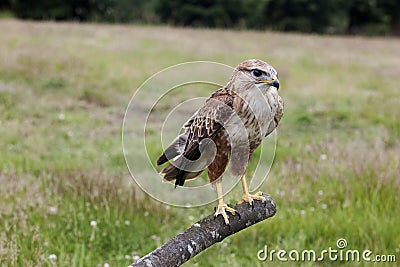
207,123
278,115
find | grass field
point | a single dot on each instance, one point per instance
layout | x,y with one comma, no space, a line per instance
63,92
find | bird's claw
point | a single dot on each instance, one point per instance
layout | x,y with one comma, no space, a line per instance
221,209
250,199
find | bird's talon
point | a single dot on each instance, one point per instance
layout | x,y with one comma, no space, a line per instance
250,199
223,209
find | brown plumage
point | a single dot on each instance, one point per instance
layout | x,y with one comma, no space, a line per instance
230,124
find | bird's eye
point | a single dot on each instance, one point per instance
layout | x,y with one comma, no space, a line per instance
256,72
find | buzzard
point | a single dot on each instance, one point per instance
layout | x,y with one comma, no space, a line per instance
230,125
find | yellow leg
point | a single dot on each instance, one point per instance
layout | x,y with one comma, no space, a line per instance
246,197
222,207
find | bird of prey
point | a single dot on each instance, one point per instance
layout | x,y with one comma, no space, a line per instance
230,125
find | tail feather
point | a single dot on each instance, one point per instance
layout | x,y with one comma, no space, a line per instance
180,169
171,172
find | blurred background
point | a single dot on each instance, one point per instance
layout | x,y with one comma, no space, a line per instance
69,68
371,17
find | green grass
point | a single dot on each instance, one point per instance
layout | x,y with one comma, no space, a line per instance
63,92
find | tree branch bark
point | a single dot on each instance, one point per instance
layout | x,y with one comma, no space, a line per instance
205,233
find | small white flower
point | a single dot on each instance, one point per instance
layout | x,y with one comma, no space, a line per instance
135,257
154,237
106,265
127,222
93,224
146,213
70,133
324,206
127,257
167,207
298,166
320,192
52,210
191,218
323,156
61,116
52,257
303,212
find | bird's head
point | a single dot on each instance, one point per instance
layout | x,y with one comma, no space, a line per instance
254,72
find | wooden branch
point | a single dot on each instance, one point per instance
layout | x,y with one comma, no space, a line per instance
205,233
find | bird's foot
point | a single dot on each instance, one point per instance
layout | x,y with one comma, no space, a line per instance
250,198
222,209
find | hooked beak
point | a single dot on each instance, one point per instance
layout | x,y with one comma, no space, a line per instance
273,82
